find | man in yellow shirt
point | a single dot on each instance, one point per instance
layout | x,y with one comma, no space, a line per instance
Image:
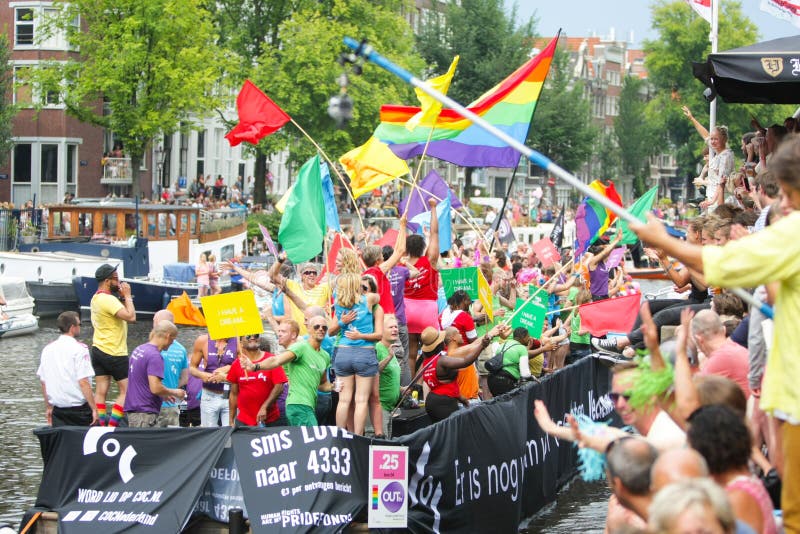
112,309
771,255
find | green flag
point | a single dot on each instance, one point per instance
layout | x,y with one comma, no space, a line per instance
303,223
639,209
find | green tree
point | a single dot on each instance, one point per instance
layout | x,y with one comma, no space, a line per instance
7,109
563,129
301,75
608,156
247,30
488,39
683,38
154,62
634,134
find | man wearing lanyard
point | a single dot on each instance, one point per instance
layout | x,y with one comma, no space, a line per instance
216,357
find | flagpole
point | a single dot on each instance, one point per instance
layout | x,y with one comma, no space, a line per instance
464,218
503,209
712,106
532,155
332,166
419,170
535,157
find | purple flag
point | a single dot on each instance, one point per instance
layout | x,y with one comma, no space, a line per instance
615,257
268,240
432,185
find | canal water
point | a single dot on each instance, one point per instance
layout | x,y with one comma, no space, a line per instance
581,507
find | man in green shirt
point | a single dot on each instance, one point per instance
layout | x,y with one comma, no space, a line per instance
305,364
389,369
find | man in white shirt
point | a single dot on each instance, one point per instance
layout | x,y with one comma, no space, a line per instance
65,370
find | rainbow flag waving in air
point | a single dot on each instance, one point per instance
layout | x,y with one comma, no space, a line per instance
509,106
592,219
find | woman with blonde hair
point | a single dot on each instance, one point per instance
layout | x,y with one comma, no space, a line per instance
358,319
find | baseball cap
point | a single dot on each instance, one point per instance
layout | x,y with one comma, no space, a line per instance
104,272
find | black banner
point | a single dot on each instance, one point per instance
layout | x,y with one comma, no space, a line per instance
103,479
487,468
484,469
557,233
223,492
300,479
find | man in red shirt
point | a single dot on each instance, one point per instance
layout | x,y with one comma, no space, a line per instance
457,315
723,356
254,394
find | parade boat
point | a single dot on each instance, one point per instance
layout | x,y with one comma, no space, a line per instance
143,239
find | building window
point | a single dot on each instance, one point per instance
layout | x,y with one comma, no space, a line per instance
72,157
23,27
22,163
27,35
49,163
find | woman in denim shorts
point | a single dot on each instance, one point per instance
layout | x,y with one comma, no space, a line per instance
359,323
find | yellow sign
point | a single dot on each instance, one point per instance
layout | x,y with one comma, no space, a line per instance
232,315
485,296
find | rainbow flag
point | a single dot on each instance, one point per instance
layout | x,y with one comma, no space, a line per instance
509,106
592,219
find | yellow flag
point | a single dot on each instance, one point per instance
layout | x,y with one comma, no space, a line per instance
485,296
371,165
430,106
281,204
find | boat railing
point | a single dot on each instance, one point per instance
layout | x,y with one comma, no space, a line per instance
27,225
221,219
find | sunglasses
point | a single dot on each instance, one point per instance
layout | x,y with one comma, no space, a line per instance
322,327
310,273
614,396
365,288
252,336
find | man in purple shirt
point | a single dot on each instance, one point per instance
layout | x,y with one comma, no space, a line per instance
145,372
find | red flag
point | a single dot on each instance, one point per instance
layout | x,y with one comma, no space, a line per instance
258,116
610,315
389,238
546,252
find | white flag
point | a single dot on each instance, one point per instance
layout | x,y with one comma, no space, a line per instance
702,7
783,9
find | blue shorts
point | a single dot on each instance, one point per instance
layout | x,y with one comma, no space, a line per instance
361,361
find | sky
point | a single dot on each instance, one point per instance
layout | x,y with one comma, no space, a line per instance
580,18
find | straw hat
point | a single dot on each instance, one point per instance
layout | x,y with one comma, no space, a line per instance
430,338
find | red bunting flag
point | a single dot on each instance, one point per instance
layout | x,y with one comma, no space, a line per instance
259,116
610,315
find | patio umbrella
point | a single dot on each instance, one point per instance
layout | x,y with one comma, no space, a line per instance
763,73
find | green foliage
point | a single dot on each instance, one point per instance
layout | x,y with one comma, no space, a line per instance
7,109
635,135
682,38
155,62
301,75
562,127
487,38
271,221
